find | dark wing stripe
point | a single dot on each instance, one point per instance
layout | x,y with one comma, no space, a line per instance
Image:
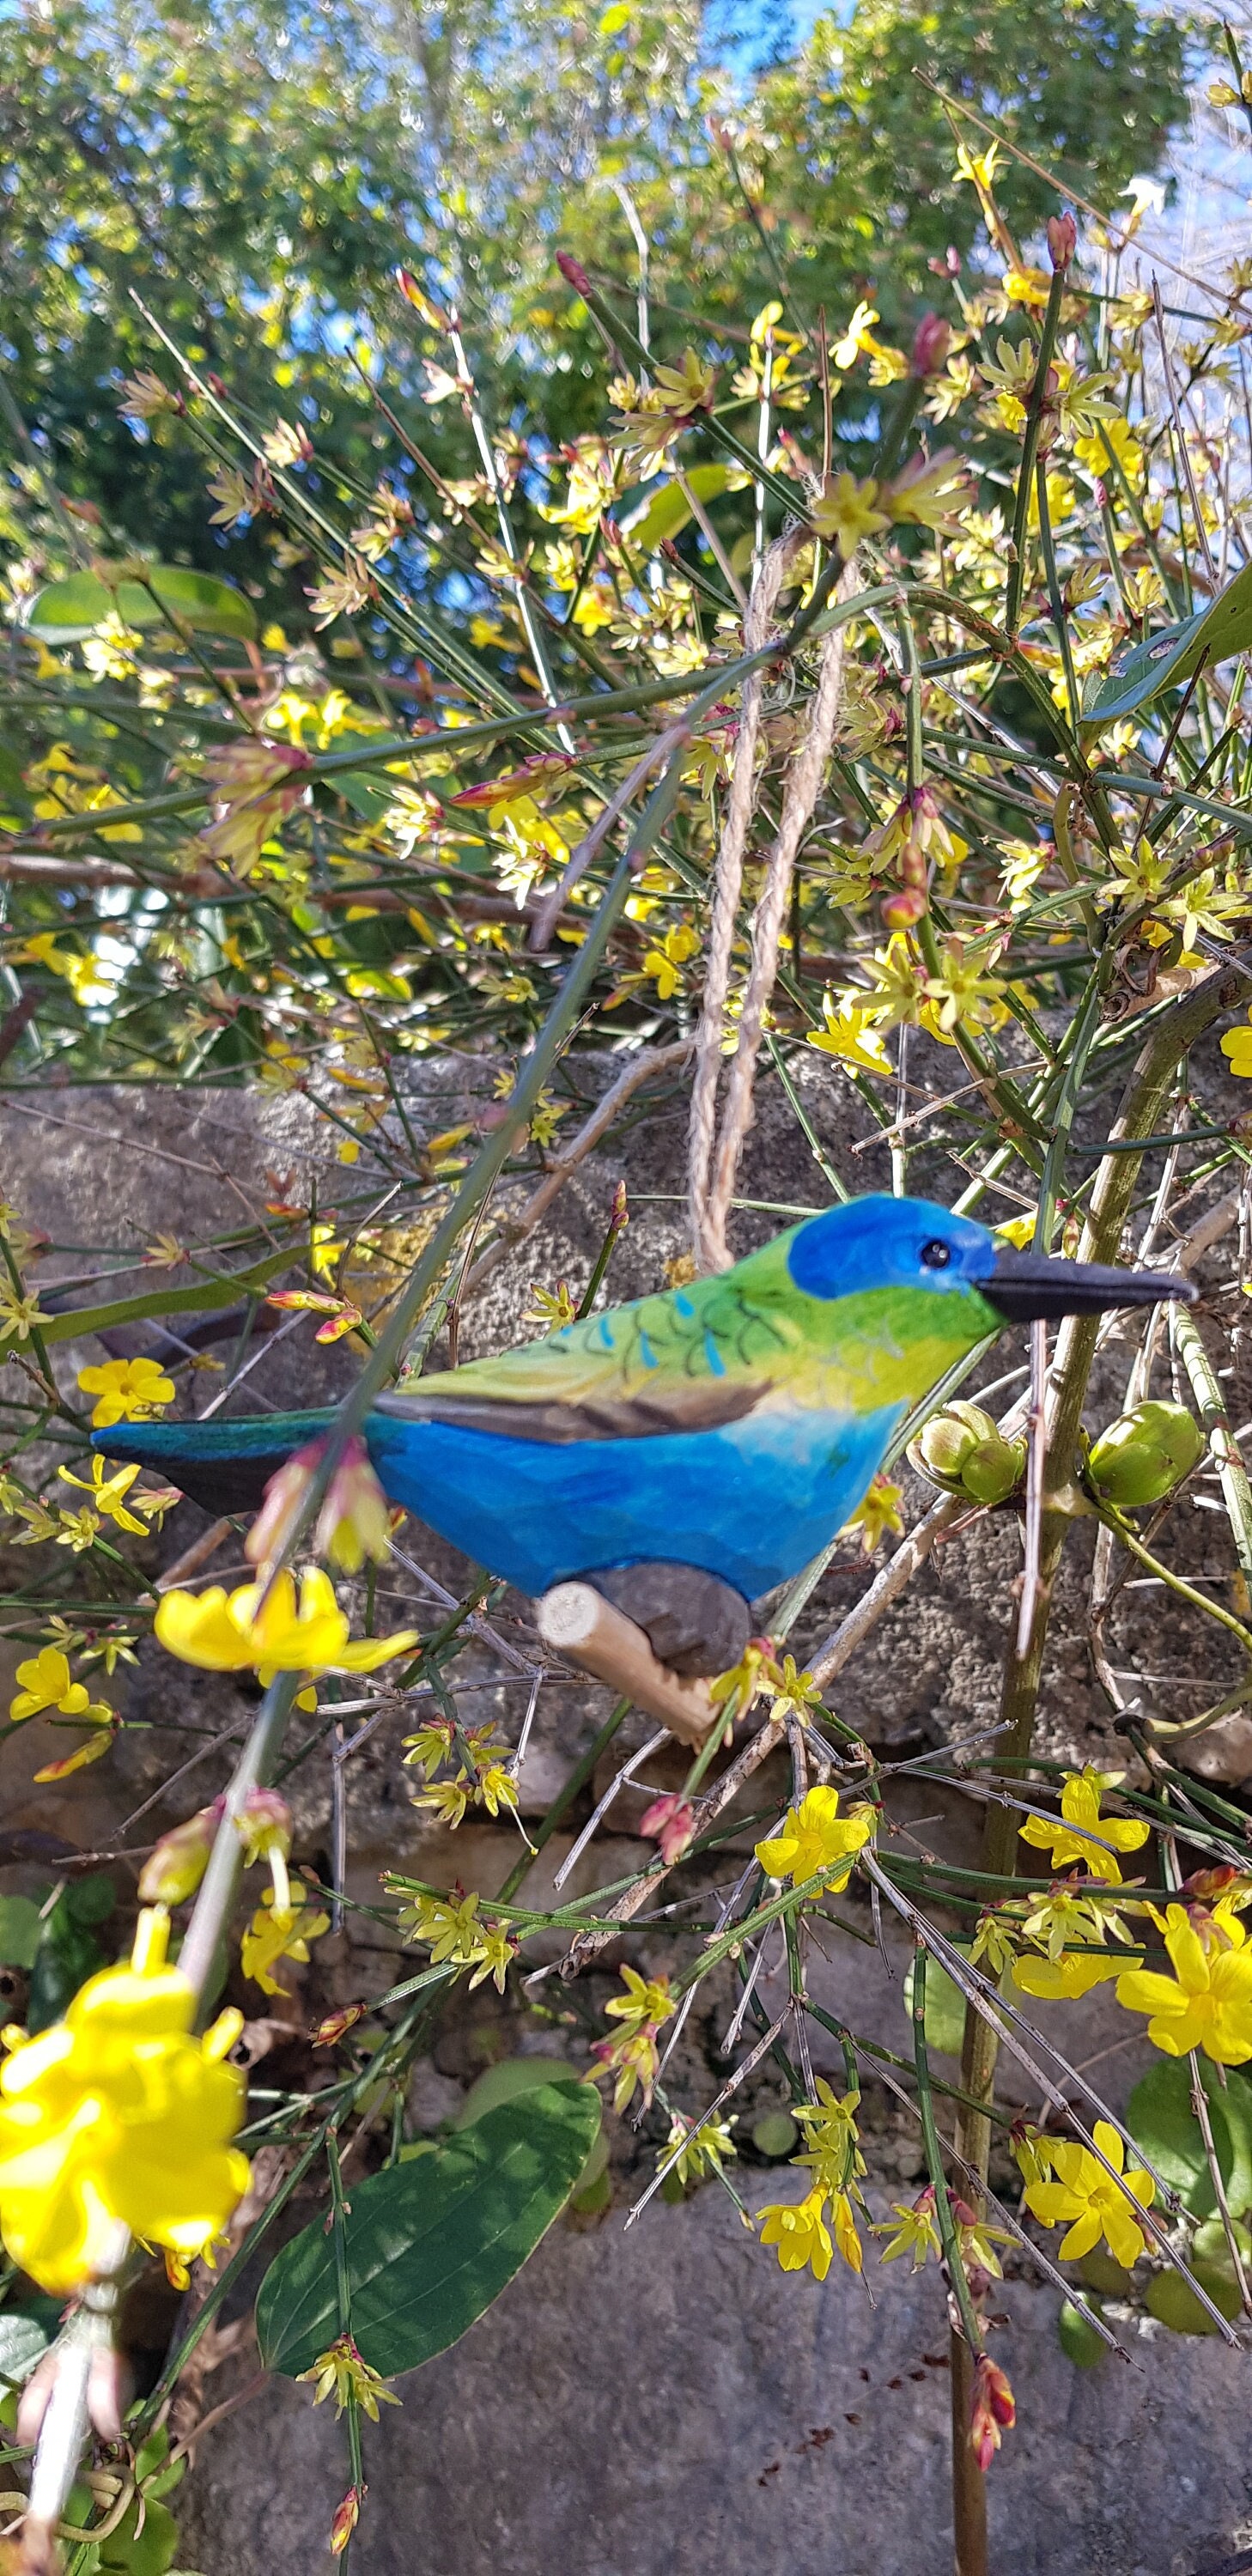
640,1417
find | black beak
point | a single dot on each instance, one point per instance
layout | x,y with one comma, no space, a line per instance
1028,1288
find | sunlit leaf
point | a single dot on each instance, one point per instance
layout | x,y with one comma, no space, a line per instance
68,610
431,2242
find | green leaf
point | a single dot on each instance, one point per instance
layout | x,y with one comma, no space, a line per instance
19,1931
92,1899
68,610
65,1957
1165,660
1098,2271
513,2076
431,2243
945,2009
129,2551
670,509
507,2079
1160,2118
22,2343
1079,2341
1173,2302
12,785
201,1299
774,2134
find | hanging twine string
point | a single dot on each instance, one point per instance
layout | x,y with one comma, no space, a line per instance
715,1158
727,888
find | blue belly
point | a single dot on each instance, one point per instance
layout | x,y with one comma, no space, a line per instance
751,1502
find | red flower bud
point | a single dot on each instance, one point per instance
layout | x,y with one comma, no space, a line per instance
574,273
903,907
1062,239
1205,1885
329,2032
668,1821
993,2410
931,342
347,2515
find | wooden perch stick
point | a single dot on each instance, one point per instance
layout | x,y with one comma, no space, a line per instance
579,1623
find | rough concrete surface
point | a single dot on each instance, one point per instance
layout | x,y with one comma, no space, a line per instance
663,2399
668,2400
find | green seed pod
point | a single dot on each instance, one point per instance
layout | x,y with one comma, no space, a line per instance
961,1450
1142,1457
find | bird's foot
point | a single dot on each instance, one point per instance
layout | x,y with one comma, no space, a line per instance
657,1630
696,1624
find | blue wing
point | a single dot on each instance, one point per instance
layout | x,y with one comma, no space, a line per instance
750,1501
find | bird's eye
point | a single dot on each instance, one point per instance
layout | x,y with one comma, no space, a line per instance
936,1255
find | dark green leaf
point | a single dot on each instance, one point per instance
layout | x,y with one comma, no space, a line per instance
66,1956
431,2243
68,610
517,2075
91,1899
1159,2116
1167,659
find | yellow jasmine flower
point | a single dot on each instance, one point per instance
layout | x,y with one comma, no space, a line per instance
78,1529
788,1688
126,1391
799,2230
646,2002
447,1799
877,1512
19,1316
665,962
851,1033
846,512
1087,2200
704,2146
815,1838
1080,1807
279,1932
341,2373
108,1493
857,338
45,1680
1064,1980
119,2115
242,1631
832,2152
994,1942
633,2057
916,2234
1207,2003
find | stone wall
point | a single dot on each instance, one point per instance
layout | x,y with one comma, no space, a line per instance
663,2398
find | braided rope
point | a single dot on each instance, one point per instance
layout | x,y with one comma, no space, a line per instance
803,787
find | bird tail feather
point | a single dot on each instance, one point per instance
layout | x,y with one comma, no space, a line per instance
225,1466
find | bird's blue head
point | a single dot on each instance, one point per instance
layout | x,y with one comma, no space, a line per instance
879,1242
